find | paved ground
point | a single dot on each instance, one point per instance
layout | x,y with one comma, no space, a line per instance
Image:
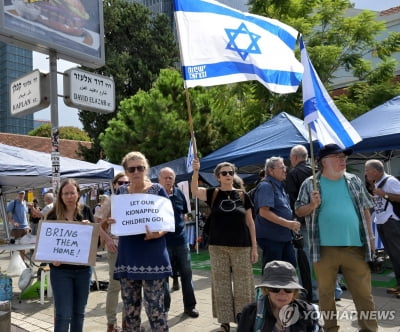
30,315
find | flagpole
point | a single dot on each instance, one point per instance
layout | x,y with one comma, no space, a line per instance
193,139
190,120
312,158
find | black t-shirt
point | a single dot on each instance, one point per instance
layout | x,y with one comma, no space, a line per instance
228,219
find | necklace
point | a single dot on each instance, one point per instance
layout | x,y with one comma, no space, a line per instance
228,194
227,205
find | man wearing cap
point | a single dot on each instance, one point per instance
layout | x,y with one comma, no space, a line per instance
386,190
16,211
339,224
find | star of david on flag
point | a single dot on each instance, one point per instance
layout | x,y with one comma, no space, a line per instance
221,45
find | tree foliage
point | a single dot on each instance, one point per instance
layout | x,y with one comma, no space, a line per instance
137,46
338,45
154,120
67,132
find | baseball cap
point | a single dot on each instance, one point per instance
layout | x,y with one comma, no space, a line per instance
333,149
21,192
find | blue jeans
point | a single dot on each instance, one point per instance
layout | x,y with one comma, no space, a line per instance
275,250
181,256
70,291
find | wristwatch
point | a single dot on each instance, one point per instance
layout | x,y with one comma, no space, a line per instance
386,196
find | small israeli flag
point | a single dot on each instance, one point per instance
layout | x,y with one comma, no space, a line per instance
327,124
190,158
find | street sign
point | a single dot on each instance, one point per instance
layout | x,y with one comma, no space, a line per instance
29,93
89,91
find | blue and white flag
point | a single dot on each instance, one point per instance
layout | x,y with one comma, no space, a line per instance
222,45
327,124
190,158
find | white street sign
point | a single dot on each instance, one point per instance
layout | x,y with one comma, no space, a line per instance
88,91
29,93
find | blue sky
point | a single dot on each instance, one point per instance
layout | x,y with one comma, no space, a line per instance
69,116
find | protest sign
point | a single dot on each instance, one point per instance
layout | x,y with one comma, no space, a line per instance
133,212
67,242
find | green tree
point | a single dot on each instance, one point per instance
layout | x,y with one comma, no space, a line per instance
155,122
67,132
337,41
137,46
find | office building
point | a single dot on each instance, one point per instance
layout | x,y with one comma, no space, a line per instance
14,63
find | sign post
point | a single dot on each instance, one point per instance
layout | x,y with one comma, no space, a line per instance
55,151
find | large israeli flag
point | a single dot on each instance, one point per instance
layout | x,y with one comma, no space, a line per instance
221,45
327,124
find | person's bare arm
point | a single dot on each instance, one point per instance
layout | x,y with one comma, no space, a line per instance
370,234
199,192
306,210
266,213
252,230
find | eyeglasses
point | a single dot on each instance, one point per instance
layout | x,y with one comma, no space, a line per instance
281,167
120,183
277,290
225,173
133,169
337,156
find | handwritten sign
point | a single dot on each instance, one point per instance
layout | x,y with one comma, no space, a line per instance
134,211
67,242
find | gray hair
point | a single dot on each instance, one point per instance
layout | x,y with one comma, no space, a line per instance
270,163
375,164
299,151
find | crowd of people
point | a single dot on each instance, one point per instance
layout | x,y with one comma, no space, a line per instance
330,209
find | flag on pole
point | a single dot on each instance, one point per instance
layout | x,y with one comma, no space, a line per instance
327,124
221,45
190,158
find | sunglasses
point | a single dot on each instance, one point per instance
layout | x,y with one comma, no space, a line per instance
277,290
133,169
120,183
225,173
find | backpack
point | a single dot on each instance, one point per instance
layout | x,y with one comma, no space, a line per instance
207,224
396,205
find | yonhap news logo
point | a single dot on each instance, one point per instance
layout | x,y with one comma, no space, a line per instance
291,313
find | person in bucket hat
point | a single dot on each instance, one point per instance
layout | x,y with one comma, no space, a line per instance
277,306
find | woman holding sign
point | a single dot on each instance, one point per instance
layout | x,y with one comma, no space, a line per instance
143,261
70,282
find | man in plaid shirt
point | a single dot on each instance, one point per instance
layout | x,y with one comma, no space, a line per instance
340,234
